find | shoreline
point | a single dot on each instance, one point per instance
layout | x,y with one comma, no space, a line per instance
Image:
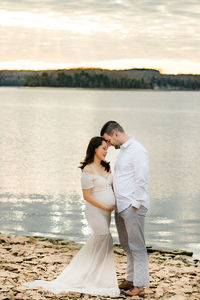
103,88
173,273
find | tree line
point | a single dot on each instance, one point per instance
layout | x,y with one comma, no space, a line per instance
90,79
84,80
175,82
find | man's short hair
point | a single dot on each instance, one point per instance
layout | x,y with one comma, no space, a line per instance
109,128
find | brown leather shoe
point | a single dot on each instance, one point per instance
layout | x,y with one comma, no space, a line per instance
126,285
135,292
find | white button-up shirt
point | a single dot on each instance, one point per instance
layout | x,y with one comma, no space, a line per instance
131,177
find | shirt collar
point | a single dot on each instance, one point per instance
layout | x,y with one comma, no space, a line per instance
127,143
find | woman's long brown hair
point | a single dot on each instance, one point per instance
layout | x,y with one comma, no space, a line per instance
94,143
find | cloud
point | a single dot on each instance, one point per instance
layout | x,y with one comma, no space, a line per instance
86,31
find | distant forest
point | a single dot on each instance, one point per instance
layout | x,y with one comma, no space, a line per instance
99,78
86,80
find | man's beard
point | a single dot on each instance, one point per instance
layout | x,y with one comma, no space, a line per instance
117,146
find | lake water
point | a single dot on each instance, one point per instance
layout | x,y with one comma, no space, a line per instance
44,135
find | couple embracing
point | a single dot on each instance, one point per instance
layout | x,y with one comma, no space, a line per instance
92,270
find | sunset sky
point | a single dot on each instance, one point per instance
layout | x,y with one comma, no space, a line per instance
113,34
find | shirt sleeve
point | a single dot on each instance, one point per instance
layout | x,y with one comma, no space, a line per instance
86,181
141,168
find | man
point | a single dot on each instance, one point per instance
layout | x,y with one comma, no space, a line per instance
130,184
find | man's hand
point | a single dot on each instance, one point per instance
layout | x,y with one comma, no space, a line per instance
135,208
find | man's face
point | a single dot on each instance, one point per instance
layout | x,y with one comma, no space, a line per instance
112,140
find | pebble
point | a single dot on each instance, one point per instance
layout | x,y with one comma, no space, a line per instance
23,259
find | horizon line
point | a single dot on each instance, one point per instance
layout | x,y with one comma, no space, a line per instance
97,68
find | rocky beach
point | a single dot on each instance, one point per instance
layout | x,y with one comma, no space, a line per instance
174,274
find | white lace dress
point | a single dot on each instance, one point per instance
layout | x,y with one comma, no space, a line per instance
92,270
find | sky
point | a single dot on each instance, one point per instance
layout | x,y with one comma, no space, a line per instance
112,34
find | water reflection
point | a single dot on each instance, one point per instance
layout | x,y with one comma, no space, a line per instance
162,221
44,133
66,219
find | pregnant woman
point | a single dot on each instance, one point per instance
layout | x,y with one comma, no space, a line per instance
92,270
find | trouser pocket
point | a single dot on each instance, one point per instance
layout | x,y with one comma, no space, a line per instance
142,211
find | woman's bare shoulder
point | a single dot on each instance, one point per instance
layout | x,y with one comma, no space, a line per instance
87,169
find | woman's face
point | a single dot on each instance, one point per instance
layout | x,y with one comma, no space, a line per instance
101,151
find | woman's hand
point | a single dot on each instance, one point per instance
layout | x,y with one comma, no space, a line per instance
87,195
111,207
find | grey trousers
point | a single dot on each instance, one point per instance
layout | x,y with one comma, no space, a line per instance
130,227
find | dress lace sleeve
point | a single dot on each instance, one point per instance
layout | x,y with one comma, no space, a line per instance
86,181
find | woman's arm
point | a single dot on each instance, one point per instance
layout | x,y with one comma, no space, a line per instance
87,195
